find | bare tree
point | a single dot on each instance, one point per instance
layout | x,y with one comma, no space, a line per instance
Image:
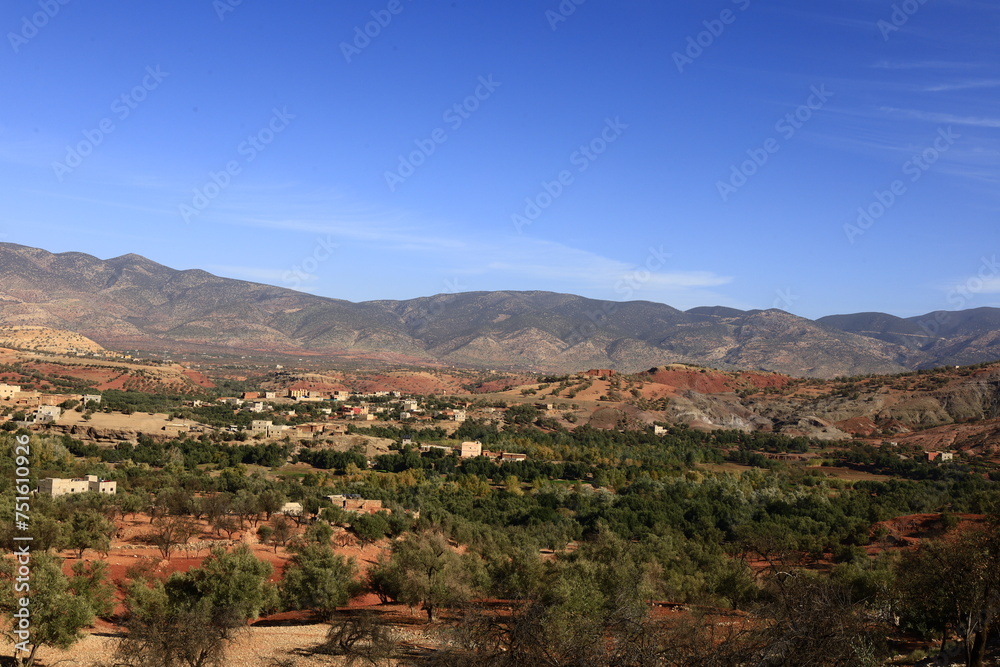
226,524
361,639
170,532
182,639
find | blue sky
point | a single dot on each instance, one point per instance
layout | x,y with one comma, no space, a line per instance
689,153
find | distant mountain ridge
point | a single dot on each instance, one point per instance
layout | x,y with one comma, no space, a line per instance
133,302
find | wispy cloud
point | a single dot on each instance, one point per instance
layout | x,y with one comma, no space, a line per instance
491,260
257,274
652,276
944,118
925,64
966,85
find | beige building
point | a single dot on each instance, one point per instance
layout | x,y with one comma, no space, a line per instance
355,503
265,428
55,486
7,391
472,449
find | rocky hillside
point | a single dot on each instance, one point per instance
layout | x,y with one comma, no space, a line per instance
132,302
874,406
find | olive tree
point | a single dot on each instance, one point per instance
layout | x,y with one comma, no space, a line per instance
57,614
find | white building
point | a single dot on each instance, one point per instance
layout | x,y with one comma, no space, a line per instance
55,487
292,509
47,413
7,391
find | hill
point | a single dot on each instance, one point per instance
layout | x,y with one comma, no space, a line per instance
130,302
44,339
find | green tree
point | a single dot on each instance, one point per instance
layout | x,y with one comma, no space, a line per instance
190,619
319,532
954,584
282,531
129,503
316,578
89,530
57,615
270,501
430,572
370,528
235,582
90,581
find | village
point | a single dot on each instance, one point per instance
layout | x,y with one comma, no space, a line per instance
288,415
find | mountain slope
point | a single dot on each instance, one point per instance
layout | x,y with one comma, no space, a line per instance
130,301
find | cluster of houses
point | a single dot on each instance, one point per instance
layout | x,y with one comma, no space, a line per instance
350,406
39,408
474,449
350,502
268,428
314,396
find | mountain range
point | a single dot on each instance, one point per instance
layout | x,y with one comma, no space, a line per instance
131,302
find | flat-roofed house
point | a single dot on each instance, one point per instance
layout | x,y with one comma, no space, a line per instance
55,486
263,427
292,509
47,413
471,450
